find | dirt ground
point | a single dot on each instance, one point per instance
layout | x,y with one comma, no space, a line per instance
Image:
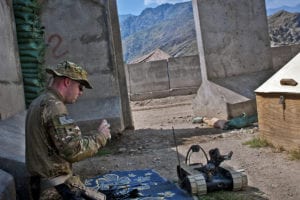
271,174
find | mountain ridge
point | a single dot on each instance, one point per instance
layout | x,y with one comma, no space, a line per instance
171,28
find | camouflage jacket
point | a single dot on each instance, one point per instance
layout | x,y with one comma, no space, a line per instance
53,140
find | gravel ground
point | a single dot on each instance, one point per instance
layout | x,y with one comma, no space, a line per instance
271,175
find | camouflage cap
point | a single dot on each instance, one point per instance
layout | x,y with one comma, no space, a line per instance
72,71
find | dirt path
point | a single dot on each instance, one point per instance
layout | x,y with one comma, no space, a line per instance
271,175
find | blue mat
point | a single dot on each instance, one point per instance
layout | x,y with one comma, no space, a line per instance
138,185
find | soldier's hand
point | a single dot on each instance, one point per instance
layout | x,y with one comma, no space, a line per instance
104,128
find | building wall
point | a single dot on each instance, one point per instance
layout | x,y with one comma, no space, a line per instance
279,123
11,84
87,33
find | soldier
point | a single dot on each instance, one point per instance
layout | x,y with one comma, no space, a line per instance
54,141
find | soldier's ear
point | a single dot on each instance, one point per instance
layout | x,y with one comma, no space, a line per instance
67,81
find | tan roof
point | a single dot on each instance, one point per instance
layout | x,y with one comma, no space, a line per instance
291,71
157,54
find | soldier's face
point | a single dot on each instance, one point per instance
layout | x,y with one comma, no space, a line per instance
75,90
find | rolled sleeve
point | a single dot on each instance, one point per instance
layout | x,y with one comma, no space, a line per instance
69,141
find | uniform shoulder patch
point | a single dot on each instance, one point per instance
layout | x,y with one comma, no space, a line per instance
65,120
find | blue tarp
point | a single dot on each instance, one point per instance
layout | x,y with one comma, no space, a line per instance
138,185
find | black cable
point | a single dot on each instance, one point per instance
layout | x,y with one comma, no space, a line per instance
187,155
204,153
194,148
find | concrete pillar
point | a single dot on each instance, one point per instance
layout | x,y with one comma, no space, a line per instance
87,33
234,53
11,83
12,152
7,186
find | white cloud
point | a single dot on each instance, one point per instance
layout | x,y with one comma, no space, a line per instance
158,2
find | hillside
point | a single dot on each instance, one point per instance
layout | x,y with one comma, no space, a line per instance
284,28
167,27
170,27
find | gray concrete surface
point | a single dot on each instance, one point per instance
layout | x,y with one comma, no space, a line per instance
234,36
230,46
282,55
163,78
7,186
11,84
184,72
12,152
184,77
87,32
149,76
89,35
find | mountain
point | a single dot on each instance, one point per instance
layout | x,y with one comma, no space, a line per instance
171,28
168,27
123,18
284,28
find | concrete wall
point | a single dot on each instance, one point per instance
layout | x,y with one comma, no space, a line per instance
233,41
184,72
176,76
12,152
11,84
149,76
7,186
282,55
182,75
234,36
87,33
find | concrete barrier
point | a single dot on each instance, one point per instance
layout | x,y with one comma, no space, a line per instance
149,76
89,35
184,72
157,79
7,186
230,48
182,76
12,152
11,84
282,55
148,79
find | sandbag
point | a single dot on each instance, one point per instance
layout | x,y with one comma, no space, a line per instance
30,35
240,122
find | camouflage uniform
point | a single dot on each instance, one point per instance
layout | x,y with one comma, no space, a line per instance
53,140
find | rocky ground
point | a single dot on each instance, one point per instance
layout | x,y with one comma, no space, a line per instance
271,174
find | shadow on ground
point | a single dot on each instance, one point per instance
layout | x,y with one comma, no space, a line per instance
155,149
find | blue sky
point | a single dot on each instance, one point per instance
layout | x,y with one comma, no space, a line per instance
135,7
